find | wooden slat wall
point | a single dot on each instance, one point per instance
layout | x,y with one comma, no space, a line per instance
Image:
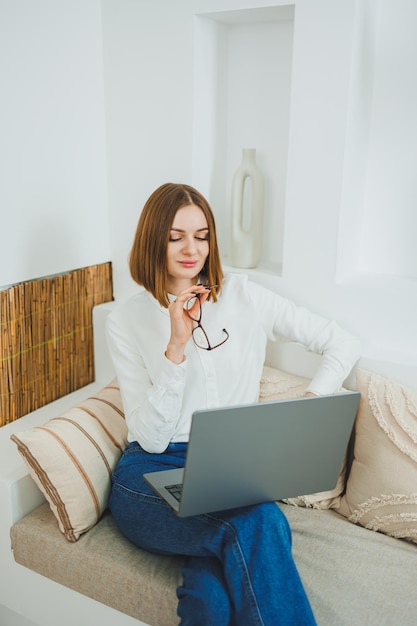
46,337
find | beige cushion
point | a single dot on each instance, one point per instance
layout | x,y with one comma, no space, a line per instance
102,565
72,456
351,576
279,385
381,492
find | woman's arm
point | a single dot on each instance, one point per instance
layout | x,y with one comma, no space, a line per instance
282,318
152,403
152,408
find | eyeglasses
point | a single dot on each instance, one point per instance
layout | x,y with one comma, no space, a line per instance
199,334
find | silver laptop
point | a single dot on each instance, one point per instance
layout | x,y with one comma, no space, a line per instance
243,455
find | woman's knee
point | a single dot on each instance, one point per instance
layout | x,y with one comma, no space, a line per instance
271,514
265,519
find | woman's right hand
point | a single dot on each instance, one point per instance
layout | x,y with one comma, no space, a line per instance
182,324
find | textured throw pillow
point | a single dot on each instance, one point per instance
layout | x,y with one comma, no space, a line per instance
381,491
72,456
279,385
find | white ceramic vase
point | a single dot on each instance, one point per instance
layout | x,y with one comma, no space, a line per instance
246,242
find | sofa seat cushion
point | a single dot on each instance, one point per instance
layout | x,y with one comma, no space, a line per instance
102,565
351,575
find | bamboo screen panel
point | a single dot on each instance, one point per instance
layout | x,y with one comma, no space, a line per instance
46,338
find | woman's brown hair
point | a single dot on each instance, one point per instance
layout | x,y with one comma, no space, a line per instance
148,256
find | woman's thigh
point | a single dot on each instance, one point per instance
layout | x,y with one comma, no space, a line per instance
143,516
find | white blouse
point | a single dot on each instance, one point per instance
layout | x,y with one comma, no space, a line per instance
159,396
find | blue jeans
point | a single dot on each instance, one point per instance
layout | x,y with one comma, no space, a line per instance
238,568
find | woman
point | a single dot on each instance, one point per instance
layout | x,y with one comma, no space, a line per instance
194,339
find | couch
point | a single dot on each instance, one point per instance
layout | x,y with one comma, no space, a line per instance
355,546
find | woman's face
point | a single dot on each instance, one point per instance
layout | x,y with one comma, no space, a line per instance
188,247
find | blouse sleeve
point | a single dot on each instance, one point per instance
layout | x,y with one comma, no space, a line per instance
282,318
151,408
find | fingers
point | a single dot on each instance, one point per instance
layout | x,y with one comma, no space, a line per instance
201,291
184,318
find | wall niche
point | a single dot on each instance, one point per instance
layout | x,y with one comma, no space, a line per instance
242,88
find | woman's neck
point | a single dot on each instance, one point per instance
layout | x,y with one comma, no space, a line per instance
175,286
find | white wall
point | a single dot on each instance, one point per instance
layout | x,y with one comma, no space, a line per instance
388,244
346,231
148,62
242,88
53,186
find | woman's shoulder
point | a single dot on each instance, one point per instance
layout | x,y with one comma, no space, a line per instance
235,280
241,285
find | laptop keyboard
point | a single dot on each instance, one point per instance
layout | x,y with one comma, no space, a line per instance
175,490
